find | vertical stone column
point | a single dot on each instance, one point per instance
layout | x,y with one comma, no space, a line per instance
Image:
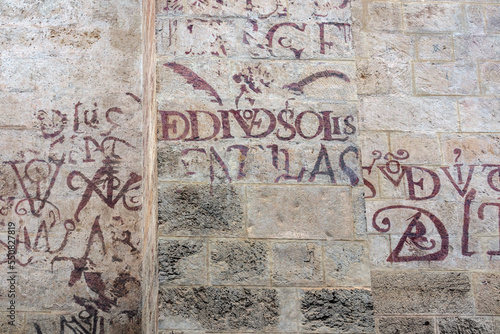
261,217
71,171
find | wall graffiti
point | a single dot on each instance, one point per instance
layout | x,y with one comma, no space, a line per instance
50,203
475,186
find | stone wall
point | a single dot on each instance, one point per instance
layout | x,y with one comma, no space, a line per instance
70,178
323,166
428,84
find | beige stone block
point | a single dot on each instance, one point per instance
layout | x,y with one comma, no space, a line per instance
373,77
492,19
408,114
400,217
487,297
173,83
479,114
285,39
370,141
243,8
423,149
284,212
474,15
322,81
297,264
385,16
321,10
379,246
438,292
474,149
385,45
435,47
490,78
423,17
445,79
54,13
347,264
476,47
252,161
188,38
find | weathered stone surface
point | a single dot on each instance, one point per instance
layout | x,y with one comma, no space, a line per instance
422,17
422,292
487,287
337,311
408,114
239,262
200,210
346,264
406,325
478,114
490,78
474,325
384,16
435,47
19,324
492,19
445,79
219,309
297,264
182,261
285,212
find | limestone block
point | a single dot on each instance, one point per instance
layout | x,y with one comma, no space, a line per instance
188,38
435,47
297,263
475,18
473,47
492,19
479,114
284,212
422,292
194,209
182,261
239,262
445,79
423,149
466,325
490,78
487,287
379,247
337,311
385,16
406,325
219,308
408,114
347,264
322,10
373,77
283,39
433,18
475,149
